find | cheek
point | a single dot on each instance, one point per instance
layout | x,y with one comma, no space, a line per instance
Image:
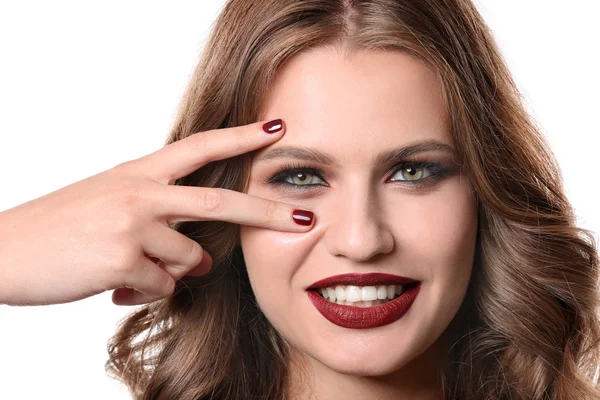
443,228
272,258
441,241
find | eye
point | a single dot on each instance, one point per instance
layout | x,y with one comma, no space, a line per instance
296,176
409,173
413,172
301,178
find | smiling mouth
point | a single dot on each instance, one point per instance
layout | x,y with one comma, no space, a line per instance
362,290
358,312
362,296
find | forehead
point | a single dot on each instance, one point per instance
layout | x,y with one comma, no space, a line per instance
356,106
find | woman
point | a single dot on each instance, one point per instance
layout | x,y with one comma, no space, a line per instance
353,80
421,163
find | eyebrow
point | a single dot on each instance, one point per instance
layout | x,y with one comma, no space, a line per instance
319,157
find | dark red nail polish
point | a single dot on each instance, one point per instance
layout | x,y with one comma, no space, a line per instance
302,217
273,126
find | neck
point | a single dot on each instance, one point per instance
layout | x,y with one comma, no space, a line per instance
418,379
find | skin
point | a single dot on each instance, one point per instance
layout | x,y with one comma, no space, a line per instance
365,222
112,230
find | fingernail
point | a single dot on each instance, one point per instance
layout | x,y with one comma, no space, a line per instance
302,217
273,126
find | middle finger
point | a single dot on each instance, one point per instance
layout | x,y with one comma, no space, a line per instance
192,203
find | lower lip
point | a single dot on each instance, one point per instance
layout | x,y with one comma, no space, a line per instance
367,317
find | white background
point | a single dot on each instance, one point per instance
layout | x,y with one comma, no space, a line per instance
87,85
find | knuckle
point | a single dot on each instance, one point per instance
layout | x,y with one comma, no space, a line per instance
124,205
242,139
125,171
198,143
126,262
126,194
124,167
125,223
168,287
272,211
213,200
195,252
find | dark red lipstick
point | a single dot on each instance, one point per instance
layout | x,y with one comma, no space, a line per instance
354,317
371,279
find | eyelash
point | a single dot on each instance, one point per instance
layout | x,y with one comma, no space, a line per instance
437,172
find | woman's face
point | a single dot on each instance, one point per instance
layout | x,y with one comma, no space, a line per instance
372,215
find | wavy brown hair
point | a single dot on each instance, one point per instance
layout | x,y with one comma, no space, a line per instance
528,326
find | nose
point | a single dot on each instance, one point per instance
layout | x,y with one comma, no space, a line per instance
357,227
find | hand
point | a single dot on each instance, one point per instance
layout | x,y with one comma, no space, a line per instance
112,230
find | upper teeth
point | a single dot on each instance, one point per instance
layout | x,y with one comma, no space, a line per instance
361,293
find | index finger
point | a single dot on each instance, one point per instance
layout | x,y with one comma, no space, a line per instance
183,157
192,203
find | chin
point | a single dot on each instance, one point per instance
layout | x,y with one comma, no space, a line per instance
370,368
368,359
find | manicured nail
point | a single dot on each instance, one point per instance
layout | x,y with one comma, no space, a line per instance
273,126
302,217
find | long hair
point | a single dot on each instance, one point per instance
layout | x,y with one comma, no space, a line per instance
528,326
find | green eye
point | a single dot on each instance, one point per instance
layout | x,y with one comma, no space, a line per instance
301,178
412,173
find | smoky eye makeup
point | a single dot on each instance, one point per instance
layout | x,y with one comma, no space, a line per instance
415,173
